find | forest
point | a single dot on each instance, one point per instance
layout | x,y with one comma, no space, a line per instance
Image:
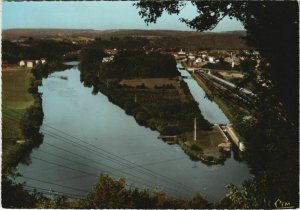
138,64
13,52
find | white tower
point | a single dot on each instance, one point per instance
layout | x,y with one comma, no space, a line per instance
195,129
232,62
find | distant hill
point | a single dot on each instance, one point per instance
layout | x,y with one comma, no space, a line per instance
190,40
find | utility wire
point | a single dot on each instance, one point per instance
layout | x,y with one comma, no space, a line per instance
91,174
59,193
47,182
146,181
123,159
113,159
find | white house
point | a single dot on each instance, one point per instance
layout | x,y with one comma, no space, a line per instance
203,56
211,59
43,60
30,63
113,51
107,59
191,56
198,60
22,63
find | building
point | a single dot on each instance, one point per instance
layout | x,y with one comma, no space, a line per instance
198,60
181,54
191,57
43,60
27,63
107,59
22,63
30,63
113,51
211,59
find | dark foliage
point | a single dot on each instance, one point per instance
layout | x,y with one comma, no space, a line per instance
137,64
109,193
272,141
16,196
36,49
272,28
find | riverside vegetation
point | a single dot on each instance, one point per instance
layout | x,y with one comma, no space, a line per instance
22,117
148,87
107,193
23,113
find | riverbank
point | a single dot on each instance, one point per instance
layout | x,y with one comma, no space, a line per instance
167,106
204,148
149,87
210,94
233,113
16,105
22,112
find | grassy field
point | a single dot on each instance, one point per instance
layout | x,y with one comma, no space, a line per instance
152,83
207,142
15,98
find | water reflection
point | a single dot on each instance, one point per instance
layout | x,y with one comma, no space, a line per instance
72,109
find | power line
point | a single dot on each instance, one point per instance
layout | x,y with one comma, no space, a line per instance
99,169
174,190
59,193
111,158
137,165
47,182
113,169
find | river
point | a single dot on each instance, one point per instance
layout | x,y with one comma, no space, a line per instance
86,135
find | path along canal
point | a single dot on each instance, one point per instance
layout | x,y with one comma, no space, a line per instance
71,165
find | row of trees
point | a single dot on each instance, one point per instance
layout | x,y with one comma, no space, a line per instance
127,42
107,193
36,49
138,64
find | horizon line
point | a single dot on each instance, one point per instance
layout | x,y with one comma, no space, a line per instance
93,29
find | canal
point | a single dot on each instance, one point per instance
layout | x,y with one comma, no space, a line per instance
209,109
86,135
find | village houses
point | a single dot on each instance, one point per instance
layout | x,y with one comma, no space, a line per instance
31,63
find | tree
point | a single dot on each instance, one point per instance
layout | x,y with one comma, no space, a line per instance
272,143
16,196
272,28
108,193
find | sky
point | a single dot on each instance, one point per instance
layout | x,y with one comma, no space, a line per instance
94,15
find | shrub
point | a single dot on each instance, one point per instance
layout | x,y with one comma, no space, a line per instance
142,117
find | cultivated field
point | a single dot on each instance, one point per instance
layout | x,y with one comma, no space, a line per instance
159,85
